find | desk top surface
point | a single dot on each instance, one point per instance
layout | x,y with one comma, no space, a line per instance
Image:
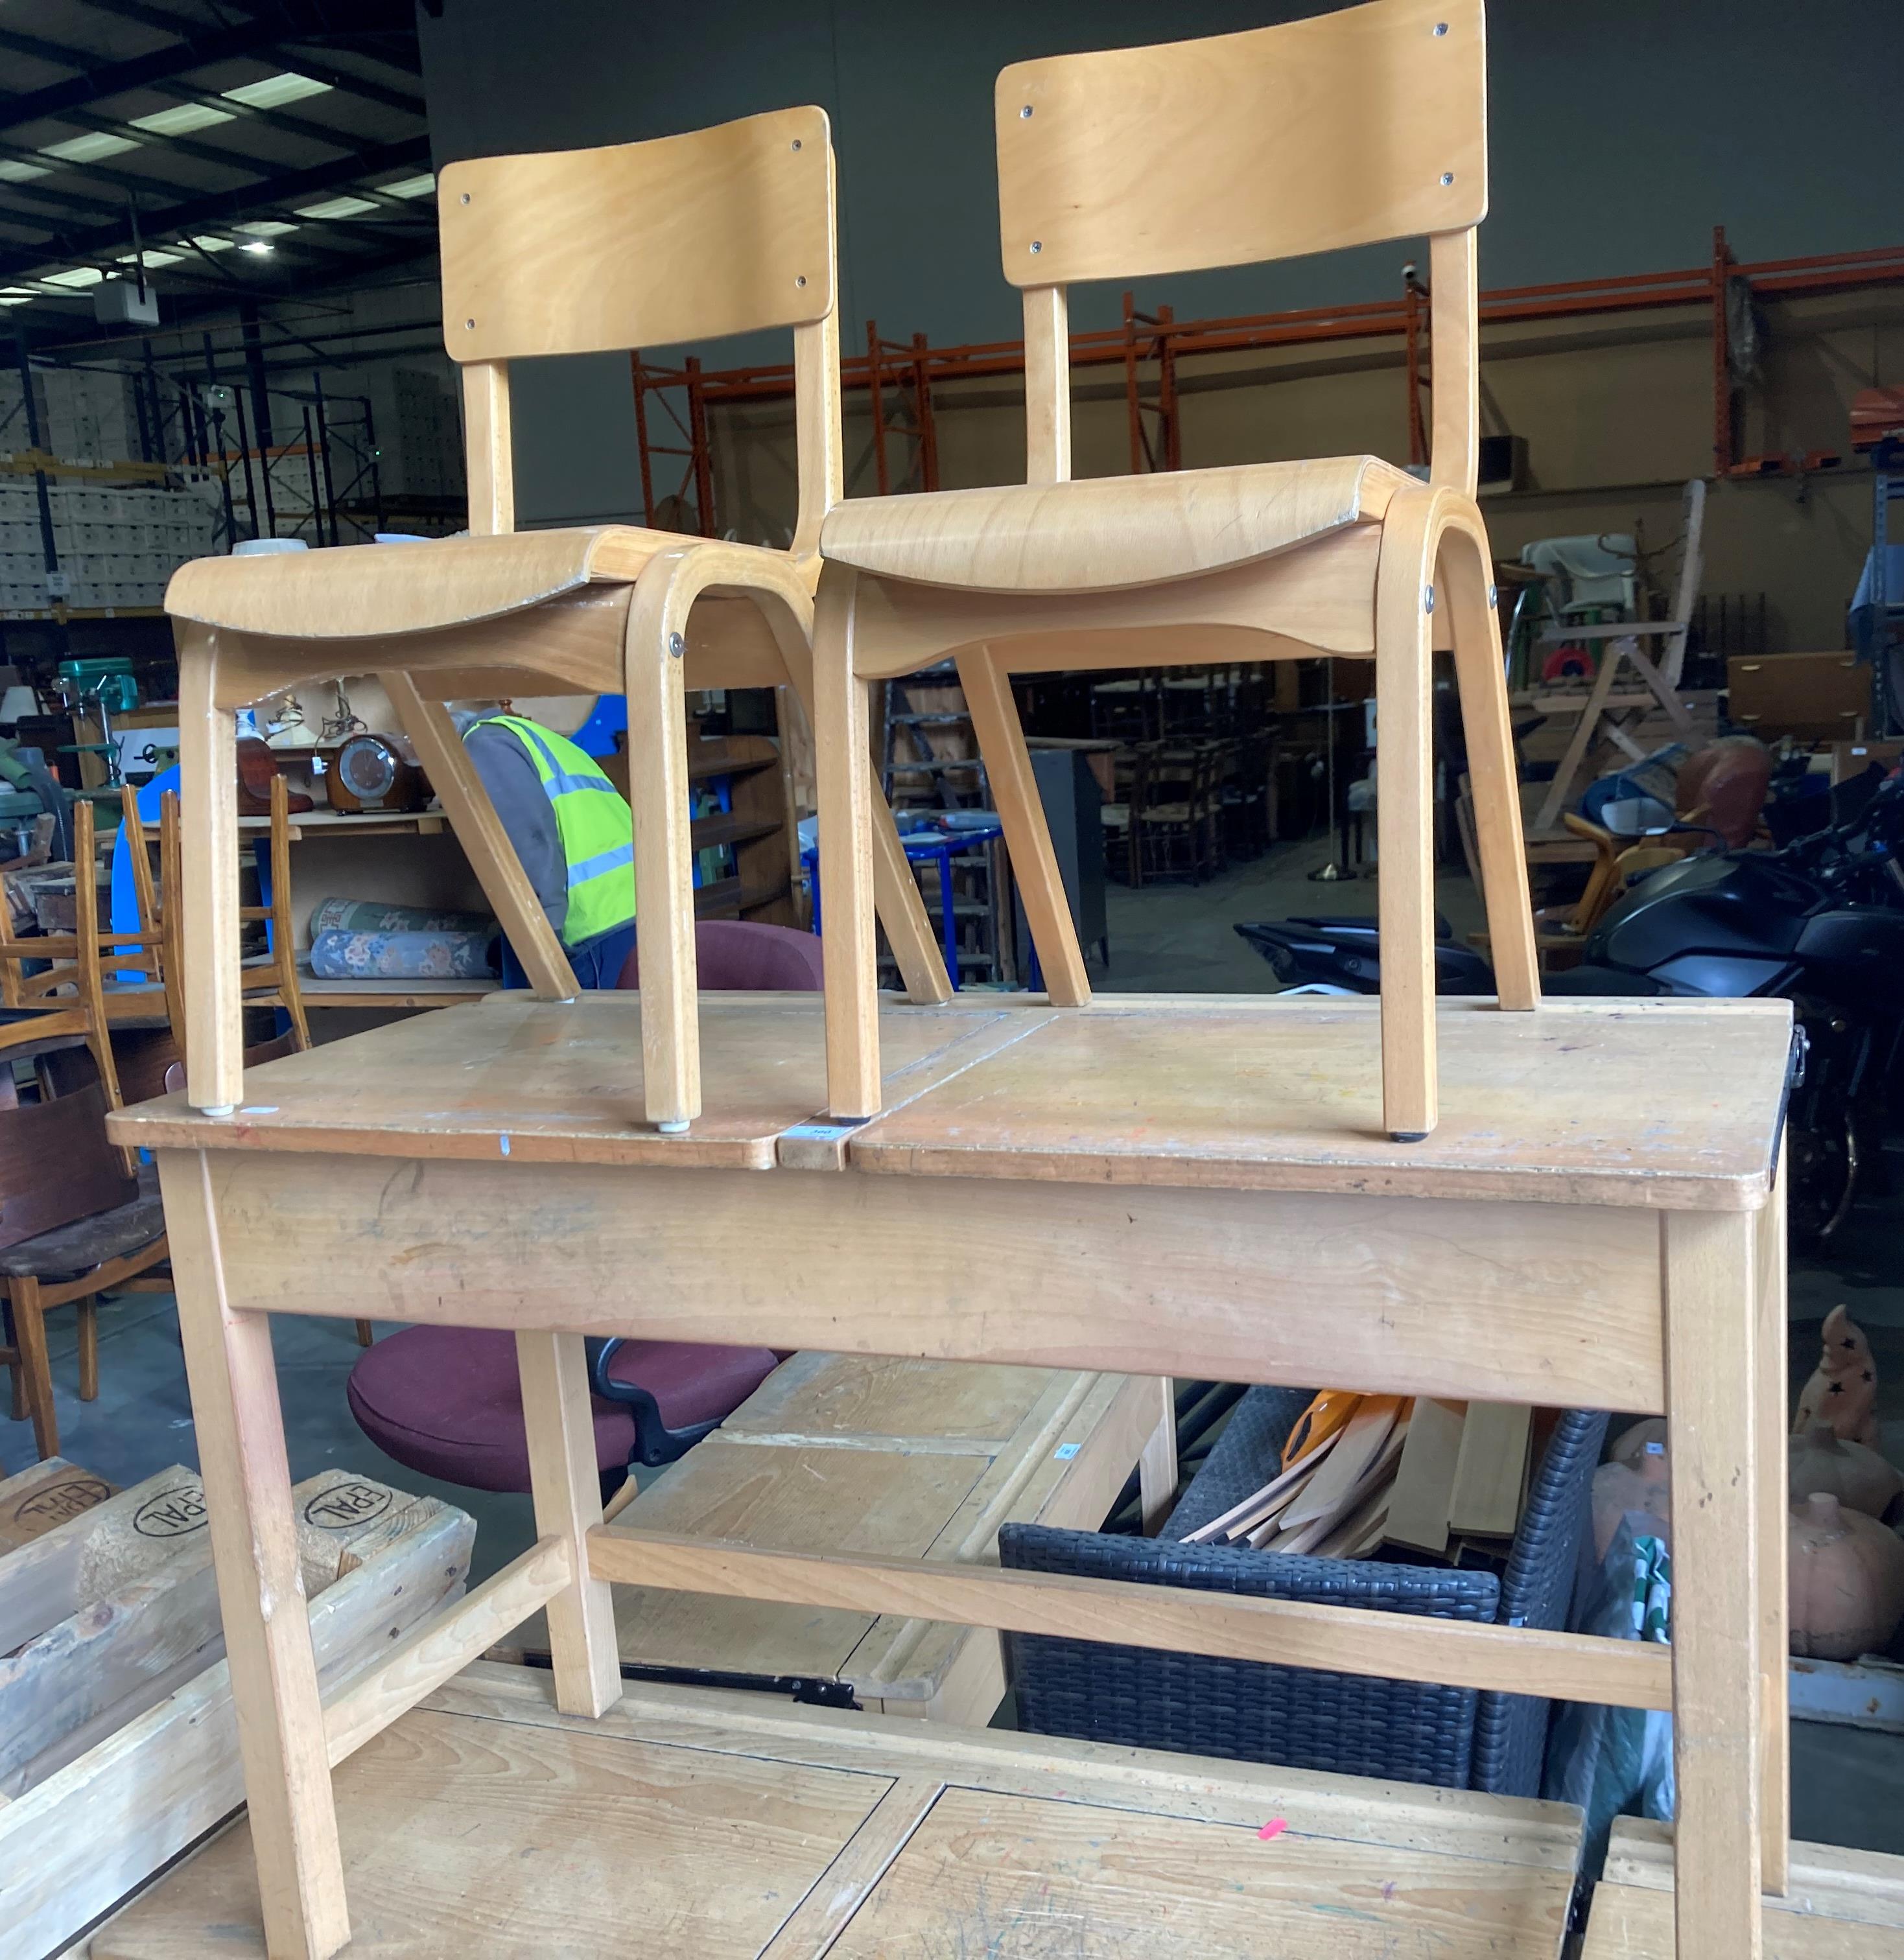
1671,1104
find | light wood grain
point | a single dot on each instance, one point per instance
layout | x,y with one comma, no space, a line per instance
1047,315
489,448
558,1416
209,889
1828,1881
1404,812
842,736
431,1653
1333,131
517,1078
1417,1511
734,223
1109,533
1711,1320
1158,1467
172,1773
1454,348
274,1673
1234,1286
1027,834
1774,1537
1568,1666
1490,1469
984,1874
485,843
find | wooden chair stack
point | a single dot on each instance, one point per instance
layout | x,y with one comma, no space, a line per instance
1347,129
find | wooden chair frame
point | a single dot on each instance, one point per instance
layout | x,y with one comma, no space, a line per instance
735,227
1369,124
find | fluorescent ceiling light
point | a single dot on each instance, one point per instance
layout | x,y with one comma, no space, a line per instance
276,90
258,245
265,227
12,171
89,148
336,207
213,244
79,275
422,186
150,257
182,120
16,299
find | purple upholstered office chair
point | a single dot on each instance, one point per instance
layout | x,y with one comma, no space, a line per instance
445,1401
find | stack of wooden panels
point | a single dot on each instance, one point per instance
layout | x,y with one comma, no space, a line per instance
1443,1478
117,1743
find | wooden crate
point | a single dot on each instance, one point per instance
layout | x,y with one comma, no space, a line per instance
117,1742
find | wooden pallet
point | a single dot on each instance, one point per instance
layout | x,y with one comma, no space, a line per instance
118,1745
721,1826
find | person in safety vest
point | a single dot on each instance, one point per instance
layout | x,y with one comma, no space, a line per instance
572,831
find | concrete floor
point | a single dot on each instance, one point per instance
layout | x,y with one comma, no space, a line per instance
1847,1785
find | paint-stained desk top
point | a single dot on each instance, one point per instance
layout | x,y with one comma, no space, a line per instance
727,1827
1664,1104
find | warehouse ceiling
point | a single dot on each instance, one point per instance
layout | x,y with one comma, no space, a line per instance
228,151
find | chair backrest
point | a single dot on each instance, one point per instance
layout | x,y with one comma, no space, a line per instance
725,231
55,1165
744,956
1366,124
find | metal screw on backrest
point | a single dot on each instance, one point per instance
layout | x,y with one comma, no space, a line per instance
1447,177
1025,111
796,142
1037,244
799,278
465,197
1427,598
677,645
468,323
1441,28
1494,597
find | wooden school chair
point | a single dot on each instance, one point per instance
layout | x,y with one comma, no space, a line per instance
1356,127
726,231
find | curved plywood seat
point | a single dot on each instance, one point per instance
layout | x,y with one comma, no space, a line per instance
1107,533
357,592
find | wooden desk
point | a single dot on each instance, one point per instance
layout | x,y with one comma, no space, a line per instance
906,1459
1152,1186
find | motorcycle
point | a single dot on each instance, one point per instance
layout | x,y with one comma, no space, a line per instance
1819,922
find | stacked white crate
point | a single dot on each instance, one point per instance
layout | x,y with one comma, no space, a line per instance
117,543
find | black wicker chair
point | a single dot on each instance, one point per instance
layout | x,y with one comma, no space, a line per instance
1402,1731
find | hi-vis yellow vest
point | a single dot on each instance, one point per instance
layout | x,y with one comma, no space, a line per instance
597,831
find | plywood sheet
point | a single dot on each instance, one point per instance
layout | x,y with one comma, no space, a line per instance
1669,1104
818,1394
536,1081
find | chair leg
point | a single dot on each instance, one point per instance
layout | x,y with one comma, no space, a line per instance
1404,835
89,1349
29,1331
653,660
1481,676
566,1487
366,1335
841,733
1014,791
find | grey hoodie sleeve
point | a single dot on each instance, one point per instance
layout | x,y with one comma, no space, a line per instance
508,774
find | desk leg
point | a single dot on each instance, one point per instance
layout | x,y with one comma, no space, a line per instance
261,1592
568,1505
1157,1467
1774,1632
1714,1417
